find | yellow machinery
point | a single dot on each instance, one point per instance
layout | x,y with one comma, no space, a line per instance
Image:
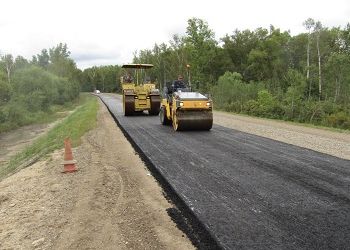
186,110
140,94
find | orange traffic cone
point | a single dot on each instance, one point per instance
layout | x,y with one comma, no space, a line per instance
69,163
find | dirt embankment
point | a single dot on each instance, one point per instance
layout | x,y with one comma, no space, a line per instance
112,202
15,141
321,140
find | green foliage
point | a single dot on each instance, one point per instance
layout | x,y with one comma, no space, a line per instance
294,96
266,105
5,92
29,90
232,94
74,126
103,78
273,78
338,120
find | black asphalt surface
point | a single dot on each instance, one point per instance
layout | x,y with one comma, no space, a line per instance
250,192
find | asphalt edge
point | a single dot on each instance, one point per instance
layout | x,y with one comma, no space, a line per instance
184,218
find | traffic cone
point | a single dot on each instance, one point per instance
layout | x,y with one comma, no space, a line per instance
69,163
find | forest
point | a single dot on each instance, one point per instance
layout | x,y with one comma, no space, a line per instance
262,72
32,89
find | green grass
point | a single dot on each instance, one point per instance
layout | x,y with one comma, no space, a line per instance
74,126
54,113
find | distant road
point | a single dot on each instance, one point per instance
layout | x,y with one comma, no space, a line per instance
250,192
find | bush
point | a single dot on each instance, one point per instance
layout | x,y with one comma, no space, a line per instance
33,92
16,114
252,107
338,120
3,116
231,93
5,92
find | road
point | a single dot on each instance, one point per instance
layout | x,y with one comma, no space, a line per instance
250,192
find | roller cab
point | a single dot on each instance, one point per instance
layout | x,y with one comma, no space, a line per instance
139,93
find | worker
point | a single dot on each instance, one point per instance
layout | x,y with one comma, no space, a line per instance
128,78
179,83
147,79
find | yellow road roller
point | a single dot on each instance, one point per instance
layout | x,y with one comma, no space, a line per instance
139,93
185,109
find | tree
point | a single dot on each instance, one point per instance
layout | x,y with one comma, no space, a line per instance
5,91
338,67
201,44
43,59
308,24
295,93
258,65
20,62
317,30
178,46
238,46
8,65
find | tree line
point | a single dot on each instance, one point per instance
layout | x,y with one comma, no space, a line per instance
103,78
263,72
30,88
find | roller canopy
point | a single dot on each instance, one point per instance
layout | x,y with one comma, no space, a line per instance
137,66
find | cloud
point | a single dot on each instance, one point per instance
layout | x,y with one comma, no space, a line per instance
94,56
88,58
109,31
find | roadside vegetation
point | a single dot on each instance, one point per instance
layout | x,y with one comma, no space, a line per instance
33,91
103,78
264,72
74,126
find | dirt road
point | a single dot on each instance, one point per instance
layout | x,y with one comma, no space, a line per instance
15,141
112,202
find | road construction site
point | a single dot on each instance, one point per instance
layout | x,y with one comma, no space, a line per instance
246,191
240,185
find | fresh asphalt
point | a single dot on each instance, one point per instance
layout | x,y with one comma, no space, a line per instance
250,192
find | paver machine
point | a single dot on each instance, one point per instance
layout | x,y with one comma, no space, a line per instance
185,109
139,93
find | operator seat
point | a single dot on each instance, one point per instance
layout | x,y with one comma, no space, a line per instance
178,84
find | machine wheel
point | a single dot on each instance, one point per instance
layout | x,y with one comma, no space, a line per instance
155,105
163,118
129,105
175,123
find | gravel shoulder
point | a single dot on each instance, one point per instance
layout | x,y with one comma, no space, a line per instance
321,140
112,202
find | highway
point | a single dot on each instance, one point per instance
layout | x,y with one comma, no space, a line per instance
249,192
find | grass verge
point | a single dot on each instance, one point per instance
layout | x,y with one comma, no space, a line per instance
53,113
74,126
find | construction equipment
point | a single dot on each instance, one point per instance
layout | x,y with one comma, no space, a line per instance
139,94
185,109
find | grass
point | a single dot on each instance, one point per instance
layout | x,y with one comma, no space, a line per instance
54,113
74,126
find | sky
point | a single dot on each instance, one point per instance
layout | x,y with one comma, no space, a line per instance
108,32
